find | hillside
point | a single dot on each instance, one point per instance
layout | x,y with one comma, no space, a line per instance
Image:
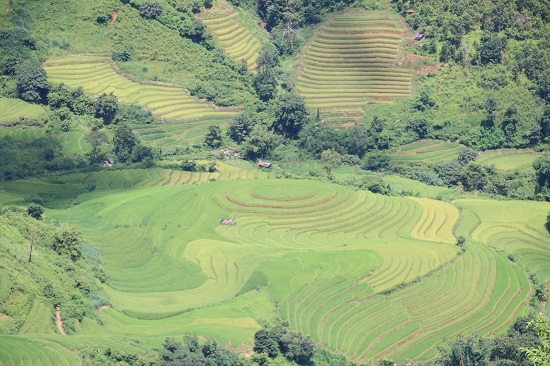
272,182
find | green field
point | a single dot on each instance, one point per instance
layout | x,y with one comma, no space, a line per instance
186,118
333,259
12,109
430,151
509,159
350,62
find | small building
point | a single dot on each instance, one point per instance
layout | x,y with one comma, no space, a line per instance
264,164
419,36
227,222
410,11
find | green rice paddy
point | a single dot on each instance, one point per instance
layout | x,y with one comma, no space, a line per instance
334,261
509,159
430,151
13,109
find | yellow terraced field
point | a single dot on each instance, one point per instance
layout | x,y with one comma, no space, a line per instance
186,117
237,41
351,62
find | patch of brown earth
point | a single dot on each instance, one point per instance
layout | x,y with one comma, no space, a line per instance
58,321
417,63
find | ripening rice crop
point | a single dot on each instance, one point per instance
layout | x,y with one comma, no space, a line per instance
351,61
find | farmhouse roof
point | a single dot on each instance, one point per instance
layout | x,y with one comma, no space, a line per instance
410,10
227,222
418,36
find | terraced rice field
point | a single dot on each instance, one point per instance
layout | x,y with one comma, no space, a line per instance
20,133
350,62
15,351
515,227
228,29
335,260
509,159
12,109
430,151
187,117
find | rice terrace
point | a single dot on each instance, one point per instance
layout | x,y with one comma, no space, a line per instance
274,183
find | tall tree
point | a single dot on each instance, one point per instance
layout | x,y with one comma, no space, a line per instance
124,141
32,84
331,159
106,107
266,80
291,115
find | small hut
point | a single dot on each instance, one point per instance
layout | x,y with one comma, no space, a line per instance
419,36
410,11
264,164
227,222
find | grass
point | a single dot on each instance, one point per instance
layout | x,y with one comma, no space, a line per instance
13,109
349,62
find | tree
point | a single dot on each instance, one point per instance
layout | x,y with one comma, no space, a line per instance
377,162
491,48
68,242
213,137
100,146
474,176
266,80
264,343
297,348
291,115
506,348
124,141
332,159
542,172
472,350
240,127
540,356
106,107
32,84
260,143
466,155
490,107
35,211
418,125
150,10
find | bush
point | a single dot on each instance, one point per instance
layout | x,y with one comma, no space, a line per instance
35,211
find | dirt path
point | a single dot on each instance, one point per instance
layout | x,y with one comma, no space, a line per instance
58,321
